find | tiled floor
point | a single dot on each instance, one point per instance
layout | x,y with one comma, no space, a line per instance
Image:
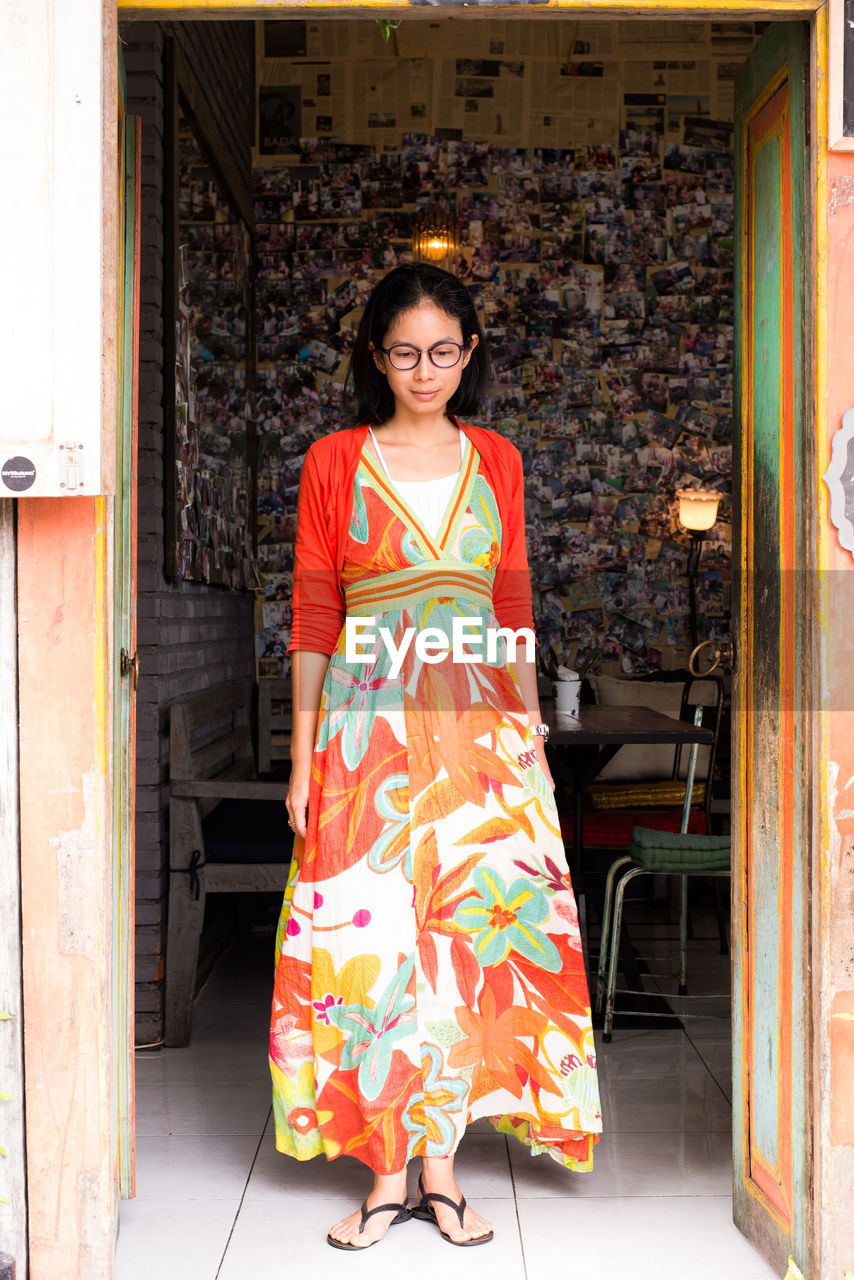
216,1201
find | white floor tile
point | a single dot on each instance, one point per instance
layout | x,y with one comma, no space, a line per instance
281,1178
626,1060
220,1059
657,1205
689,1101
249,960
647,1239
217,1020
248,986
199,1107
483,1126
717,1056
193,1167
482,1169
632,1164
640,1036
709,1029
177,1240
292,1241
723,1078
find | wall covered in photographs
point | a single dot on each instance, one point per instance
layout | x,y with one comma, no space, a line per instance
590,167
213,492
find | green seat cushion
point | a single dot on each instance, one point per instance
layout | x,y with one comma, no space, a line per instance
671,851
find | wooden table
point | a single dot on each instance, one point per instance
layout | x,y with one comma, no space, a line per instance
607,729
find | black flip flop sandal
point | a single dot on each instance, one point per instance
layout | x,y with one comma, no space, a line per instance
425,1211
404,1213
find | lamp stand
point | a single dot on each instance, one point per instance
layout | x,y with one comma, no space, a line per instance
691,574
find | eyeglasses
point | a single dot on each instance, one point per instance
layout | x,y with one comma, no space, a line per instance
444,355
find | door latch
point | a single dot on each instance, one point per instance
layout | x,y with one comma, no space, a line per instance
128,664
723,655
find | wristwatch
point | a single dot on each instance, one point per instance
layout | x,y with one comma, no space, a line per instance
542,731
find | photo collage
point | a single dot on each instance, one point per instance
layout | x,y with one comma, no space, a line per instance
603,276
214,405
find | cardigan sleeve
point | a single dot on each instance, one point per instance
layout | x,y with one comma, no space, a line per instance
318,601
511,591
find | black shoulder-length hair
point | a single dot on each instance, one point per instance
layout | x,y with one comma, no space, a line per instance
402,289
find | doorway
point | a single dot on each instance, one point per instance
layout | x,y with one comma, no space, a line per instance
617,387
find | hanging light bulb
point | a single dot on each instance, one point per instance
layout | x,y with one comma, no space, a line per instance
435,237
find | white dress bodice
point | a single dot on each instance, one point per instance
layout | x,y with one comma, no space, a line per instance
428,498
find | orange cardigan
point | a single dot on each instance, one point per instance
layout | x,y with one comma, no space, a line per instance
324,511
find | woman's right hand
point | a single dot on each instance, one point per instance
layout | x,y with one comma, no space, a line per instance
296,802
307,675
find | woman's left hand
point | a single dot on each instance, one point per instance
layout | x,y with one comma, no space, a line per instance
540,748
526,676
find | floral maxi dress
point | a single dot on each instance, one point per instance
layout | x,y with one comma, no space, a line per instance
428,958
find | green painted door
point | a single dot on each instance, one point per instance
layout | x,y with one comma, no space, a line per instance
124,663
771,627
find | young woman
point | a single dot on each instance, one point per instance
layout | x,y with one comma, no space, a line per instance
429,967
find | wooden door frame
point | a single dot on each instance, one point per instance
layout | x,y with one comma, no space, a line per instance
13,1183
64,657
770,1198
242,10
75,1196
815,321
125,631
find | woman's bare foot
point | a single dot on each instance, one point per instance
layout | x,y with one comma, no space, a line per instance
438,1176
388,1189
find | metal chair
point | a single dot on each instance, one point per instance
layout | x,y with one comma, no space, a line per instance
680,854
610,800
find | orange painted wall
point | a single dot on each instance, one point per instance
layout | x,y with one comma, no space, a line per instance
66,868
834,1118
839,633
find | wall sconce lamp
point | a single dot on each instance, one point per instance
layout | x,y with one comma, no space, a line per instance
698,511
435,237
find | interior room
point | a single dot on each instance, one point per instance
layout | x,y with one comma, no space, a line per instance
578,177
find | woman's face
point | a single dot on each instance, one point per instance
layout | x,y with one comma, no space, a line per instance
424,389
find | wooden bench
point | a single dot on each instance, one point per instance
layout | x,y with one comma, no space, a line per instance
228,832
274,722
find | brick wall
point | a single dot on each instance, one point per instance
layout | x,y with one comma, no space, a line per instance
191,636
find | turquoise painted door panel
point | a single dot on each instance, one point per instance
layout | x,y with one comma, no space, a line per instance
770,837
